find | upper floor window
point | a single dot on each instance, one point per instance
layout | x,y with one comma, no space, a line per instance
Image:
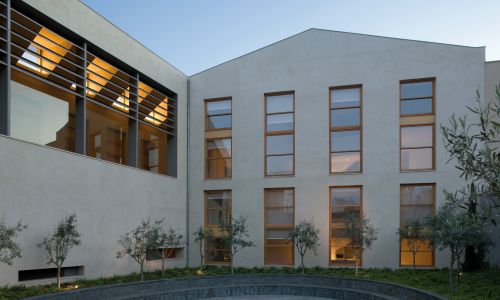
417,121
345,129
219,158
280,133
218,114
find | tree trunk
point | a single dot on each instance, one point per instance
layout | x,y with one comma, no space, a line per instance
356,266
201,257
302,263
142,272
59,277
232,269
452,262
163,266
414,260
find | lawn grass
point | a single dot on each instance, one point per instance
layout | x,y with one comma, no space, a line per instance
478,285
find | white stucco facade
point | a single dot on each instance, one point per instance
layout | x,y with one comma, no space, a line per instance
39,184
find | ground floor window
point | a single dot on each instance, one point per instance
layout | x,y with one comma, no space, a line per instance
343,201
278,223
217,212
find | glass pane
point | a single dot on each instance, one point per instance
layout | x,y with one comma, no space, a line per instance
152,149
219,168
218,107
423,245
339,213
218,199
414,159
341,251
422,259
280,144
280,165
41,113
107,134
217,217
278,233
345,162
219,148
417,194
280,198
415,213
346,196
345,141
416,136
280,216
413,107
279,255
217,122
345,117
416,90
345,98
280,122
282,103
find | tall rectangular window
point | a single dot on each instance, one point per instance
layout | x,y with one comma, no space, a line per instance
278,223
217,212
417,150
280,133
345,129
218,138
344,202
152,149
417,203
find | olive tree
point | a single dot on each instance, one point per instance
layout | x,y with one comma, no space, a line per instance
305,236
141,242
472,145
362,234
416,236
235,237
9,248
454,228
201,237
168,241
60,242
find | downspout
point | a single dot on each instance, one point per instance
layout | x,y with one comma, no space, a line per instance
187,172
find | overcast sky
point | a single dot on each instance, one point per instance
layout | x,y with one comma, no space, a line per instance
194,35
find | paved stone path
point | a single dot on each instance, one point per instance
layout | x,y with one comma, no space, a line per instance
267,297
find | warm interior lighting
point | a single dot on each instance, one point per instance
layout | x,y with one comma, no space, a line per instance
98,74
160,112
122,102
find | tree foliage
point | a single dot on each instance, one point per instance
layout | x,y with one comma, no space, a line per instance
305,237
416,235
141,242
201,237
60,242
9,248
454,228
235,237
362,234
168,241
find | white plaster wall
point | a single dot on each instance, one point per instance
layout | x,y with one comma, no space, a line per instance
309,63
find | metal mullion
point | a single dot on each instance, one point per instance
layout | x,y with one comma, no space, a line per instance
109,80
280,132
109,90
150,94
4,40
288,154
45,49
108,107
113,75
346,128
110,99
422,147
218,115
161,101
44,37
346,151
41,67
3,63
417,98
153,111
347,107
279,113
46,59
44,79
3,28
3,4
141,114
156,127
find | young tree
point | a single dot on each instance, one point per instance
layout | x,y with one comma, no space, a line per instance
305,236
168,241
454,228
362,234
58,244
201,236
416,235
473,146
9,249
144,240
235,237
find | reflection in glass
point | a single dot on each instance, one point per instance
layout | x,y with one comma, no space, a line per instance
279,165
345,98
219,158
107,134
219,122
152,149
279,222
218,207
415,107
280,122
416,136
345,162
345,141
345,117
219,114
218,107
414,159
279,104
417,194
279,144
41,113
416,90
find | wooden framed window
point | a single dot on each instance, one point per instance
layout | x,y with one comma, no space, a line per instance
417,203
218,114
280,134
417,121
218,138
217,212
346,129
344,200
279,218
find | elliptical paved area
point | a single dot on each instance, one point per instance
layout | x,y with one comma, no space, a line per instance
268,297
